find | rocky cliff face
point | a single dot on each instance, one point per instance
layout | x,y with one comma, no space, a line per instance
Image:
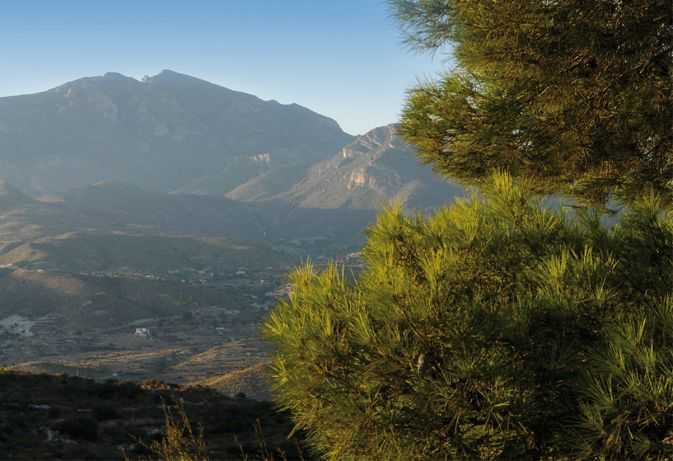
376,168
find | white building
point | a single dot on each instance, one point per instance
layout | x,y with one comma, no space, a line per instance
143,332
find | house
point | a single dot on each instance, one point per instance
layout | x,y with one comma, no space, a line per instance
143,332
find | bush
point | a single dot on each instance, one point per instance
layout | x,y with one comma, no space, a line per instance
495,329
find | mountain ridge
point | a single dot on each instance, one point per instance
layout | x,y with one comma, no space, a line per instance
161,133
174,133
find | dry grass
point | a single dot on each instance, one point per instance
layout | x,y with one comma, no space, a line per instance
250,380
180,442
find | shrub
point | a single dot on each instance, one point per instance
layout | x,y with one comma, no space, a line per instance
495,329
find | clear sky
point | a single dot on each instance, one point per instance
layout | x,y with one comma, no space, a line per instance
342,58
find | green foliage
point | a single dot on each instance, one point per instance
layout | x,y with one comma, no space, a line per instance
575,95
494,330
627,408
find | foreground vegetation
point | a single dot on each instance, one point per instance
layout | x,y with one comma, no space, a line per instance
495,329
66,417
499,329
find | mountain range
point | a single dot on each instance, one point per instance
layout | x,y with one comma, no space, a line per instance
163,133
173,133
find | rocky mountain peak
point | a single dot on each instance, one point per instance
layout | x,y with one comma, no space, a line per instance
171,76
117,76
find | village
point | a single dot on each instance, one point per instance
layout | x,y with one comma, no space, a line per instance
137,349
198,342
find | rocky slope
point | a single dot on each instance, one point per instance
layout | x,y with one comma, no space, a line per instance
373,170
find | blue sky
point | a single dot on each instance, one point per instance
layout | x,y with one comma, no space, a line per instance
342,58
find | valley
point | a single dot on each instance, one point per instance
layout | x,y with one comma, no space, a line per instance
154,319
148,227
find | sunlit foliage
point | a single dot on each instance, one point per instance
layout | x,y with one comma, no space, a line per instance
499,328
494,330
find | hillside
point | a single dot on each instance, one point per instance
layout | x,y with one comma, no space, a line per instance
65,417
83,302
101,252
252,381
122,208
80,275
167,132
373,170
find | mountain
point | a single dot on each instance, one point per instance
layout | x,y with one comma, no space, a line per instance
126,207
368,173
177,133
89,252
170,132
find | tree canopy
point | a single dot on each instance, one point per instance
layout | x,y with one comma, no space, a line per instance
575,95
493,330
501,328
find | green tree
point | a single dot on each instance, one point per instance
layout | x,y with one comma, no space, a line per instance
498,328
495,329
576,95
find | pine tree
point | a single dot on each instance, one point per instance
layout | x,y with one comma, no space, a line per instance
494,330
576,95
500,328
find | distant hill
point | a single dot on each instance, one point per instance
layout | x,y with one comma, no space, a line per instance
167,132
125,206
368,173
88,252
114,206
86,302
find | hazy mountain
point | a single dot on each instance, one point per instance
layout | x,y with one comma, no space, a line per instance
87,252
122,208
167,132
368,173
176,133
